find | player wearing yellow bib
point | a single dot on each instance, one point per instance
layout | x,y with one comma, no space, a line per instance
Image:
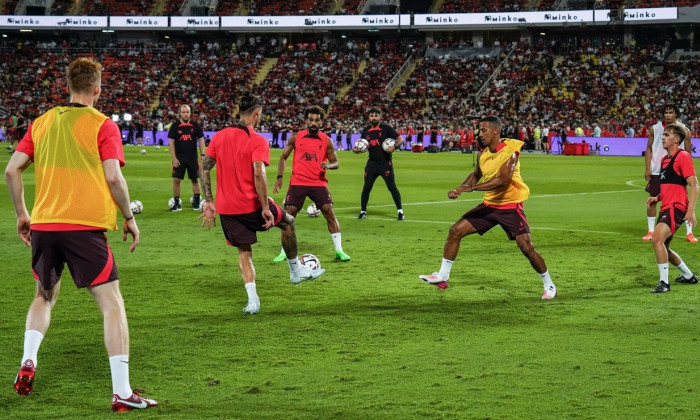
497,174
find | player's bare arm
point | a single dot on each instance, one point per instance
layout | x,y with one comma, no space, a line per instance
692,200
261,188
647,155
13,176
505,174
332,156
120,195
176,161
282,164
688,144
209,210
468,184
208,163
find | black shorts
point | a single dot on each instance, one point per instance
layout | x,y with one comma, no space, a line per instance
672,217
513,221
296,195
189,164
239,229
654,186
89,258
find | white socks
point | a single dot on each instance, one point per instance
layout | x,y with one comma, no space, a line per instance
445,268
663,272
547,280
684,270
651,222
336,241
294,265
119,366
252,292
688,228
32,341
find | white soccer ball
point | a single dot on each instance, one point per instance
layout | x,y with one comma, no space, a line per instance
202,202
362,145
312,210
157,146
143,151
171,202
191,199
136,207
310,261
388,143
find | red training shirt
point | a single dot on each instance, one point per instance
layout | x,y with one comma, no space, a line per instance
235,149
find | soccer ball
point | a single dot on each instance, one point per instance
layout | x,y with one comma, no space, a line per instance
136,207
143,151
191,199
388,143
310,261
312,210
362,145
202,202
157,146
171,202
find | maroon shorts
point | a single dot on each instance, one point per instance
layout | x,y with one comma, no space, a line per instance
513,221
672,217
654,186
298,193
89,258
239,229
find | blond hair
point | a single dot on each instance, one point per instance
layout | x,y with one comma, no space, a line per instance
82,74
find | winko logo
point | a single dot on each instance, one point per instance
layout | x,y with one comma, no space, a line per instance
78,21
140,22
203,22
378,21
448,19
263,22
560,17
322,21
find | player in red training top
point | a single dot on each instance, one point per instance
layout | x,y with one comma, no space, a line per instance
677,205
241,155
313,155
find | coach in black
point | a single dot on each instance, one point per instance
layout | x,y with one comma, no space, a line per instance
183,137
379,162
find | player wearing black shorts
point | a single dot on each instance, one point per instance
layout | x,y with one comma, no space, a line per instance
498,174
184,136
379,162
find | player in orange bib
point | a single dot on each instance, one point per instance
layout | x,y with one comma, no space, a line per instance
314,154
77,155
497,173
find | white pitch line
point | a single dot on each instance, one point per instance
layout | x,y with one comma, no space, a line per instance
440,222
423,203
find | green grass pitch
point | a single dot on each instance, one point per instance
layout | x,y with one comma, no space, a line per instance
369,339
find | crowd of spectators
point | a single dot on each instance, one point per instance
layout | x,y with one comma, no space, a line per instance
617,91
483,6
307,75
289,7
116,8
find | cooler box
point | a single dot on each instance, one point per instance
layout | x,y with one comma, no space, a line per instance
417,148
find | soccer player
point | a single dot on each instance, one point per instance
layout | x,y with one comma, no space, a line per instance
379,162
652,159
241,155
77,153
184,136
677,173
498,169
314,154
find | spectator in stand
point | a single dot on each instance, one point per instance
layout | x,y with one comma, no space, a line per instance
596,130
